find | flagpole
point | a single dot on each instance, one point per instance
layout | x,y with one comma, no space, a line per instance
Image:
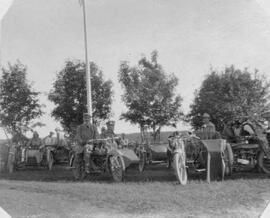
4,7
87,65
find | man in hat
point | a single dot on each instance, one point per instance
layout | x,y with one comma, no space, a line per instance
110,129
110,134
84,133
124,140
255,131
50,140
33,146
207,126
103,133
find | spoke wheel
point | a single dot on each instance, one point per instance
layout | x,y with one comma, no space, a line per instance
142,161
180,168
116,168
228,159
71,159
10,163
50,160
264,162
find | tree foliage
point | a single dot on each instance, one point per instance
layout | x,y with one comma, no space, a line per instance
70,96
230,94
149,94
19,104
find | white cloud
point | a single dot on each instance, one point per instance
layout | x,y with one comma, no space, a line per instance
4,6
265,5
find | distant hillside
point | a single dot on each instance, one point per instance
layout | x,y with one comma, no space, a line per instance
3,142
137,136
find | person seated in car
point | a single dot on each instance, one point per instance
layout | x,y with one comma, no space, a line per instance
35,141
207,126
110,129
109,134
231,131
124,140
208,129
50,140
33,147
103,133
250,130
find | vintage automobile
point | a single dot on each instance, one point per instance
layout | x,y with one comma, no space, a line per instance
248,156
150,153
249,149
106,156
21,156
199,152
58,150
177,158
151,150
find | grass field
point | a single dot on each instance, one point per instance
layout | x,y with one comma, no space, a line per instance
155,193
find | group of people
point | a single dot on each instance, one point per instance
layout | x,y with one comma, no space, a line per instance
36,144
255,131
88,131
233,132
247,130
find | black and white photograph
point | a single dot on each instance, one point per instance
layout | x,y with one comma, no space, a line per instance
134,108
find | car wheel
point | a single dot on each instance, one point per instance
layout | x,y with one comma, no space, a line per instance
264,162
117,168
180,168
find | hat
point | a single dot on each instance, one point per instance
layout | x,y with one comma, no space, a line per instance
206,115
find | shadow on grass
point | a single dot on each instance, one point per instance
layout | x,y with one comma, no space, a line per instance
152,173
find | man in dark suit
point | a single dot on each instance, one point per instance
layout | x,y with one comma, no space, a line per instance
84,133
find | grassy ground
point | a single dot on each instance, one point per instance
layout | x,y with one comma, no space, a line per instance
155,193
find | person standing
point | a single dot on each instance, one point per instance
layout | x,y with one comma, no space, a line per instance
84,133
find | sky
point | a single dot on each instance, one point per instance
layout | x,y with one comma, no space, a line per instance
191,37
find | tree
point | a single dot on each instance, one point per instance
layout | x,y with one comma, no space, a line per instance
230,94
149,94
19,104
69,95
